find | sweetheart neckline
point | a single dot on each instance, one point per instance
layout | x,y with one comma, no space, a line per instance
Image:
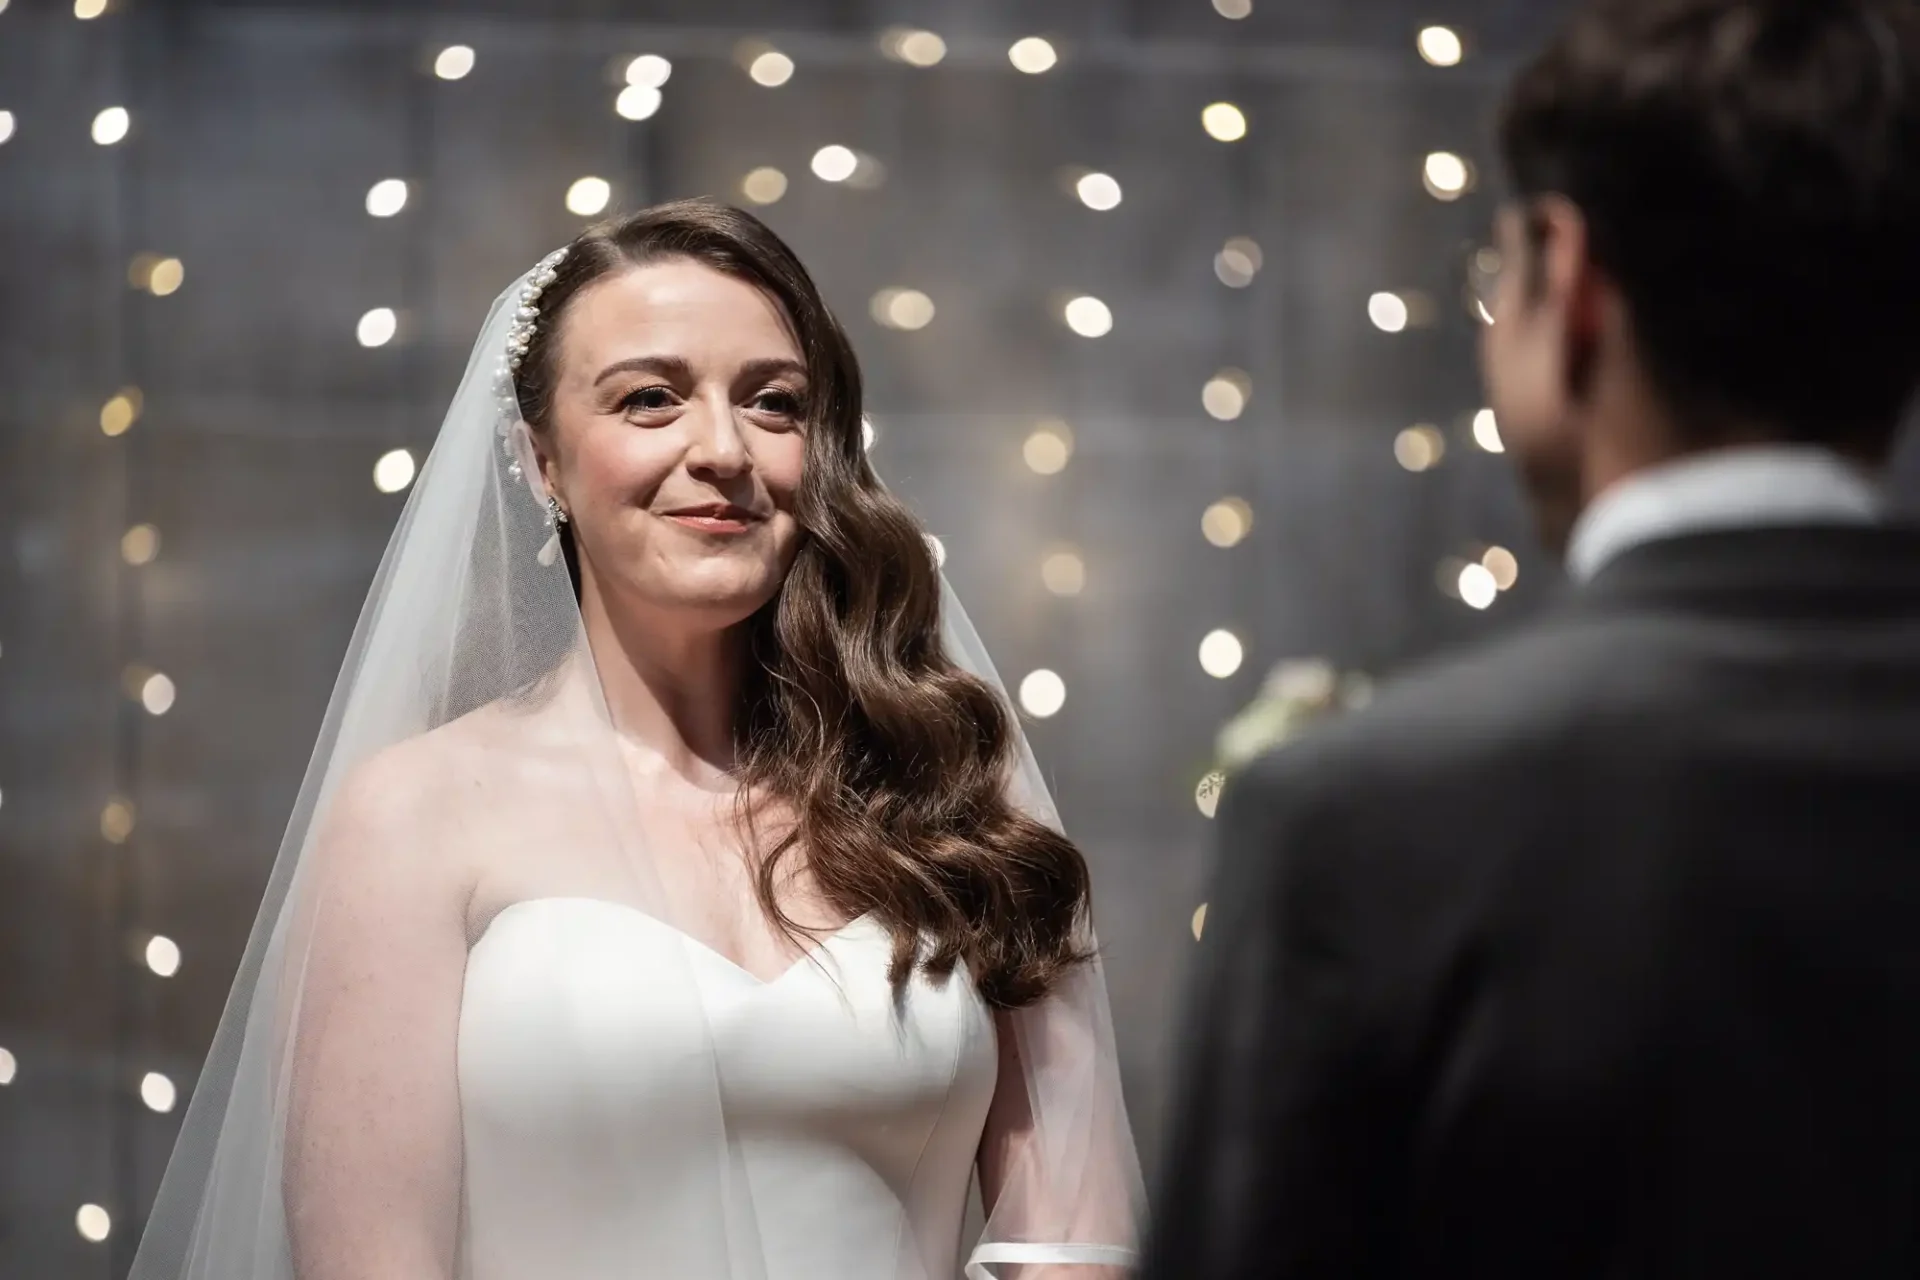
815,953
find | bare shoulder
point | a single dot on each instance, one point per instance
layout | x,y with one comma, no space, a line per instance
413,803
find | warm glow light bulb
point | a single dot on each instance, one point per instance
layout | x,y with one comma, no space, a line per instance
394,471
387,197
1043,693
1098,191
454,62
1033,55
377,327
1440,46
1388,311
649,70
588,196
158,1092
1486,432
1221,654
1224,122
111,125
1089,317
834,163
163,956
771,69
93,1222
638,102
764,185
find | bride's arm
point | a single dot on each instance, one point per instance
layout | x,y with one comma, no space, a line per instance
1058,1175
373,1151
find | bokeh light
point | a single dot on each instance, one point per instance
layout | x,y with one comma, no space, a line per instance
1226,394
1064,573
1238,262
1098,191
1221,654
1388,311
157,694
1033,55
1043,693
167,276
1440,46
1227,522
638,102
1478,586
834,163
588,196
158,1092
116,821
1089,317
906,309
1234,9
1048,448
93,1222
6,125
1224,122
111,125
912,46
770,69
120,411
649,71
9,1067
1420,447
1503,565
454,62
1486,432
394,471
140,544
1446,176
764,185
387,197
377,327
162,956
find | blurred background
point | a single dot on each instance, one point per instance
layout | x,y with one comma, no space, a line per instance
1168,312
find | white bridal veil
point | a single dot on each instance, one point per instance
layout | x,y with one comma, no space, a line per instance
467,715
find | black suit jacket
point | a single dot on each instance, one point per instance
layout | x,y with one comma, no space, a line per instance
1594,953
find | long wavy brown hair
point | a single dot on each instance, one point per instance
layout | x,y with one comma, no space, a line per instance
892,761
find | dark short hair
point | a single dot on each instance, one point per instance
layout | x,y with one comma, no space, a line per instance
1750,174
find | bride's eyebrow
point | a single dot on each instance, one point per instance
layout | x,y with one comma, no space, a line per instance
670,367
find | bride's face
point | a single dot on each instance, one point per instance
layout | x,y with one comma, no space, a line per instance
677,438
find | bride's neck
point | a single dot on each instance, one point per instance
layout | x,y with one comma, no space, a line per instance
671,682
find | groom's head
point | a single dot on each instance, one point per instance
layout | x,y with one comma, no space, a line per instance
1712,237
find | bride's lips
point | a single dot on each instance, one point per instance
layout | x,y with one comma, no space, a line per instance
714,517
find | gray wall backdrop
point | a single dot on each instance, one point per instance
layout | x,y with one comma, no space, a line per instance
257,131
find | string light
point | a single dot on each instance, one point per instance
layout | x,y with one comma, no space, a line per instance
162,956
1227,522
1206,794
771,69
1226,394
116,821
121,411
387,197
1420,448
1234,9
1043,693
1224,122
1089,317
87,10
588,196
140,544
1048,448
167,276
914,47
1440,46
1064,573
1200,917
6,123
1098,191
1221,654
1503,565
1238,262
649,71
93,1222
764,185
111,125
157,694
1033,55
637,102
394,471
1477,586
1446,176
834,163
377,327
907,309
454,63
1486,432
158,1092
1388,311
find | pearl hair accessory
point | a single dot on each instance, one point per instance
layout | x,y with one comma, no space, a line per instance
519,338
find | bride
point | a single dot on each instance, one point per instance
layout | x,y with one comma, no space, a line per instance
671,892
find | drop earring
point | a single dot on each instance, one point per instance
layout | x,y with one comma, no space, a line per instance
556,516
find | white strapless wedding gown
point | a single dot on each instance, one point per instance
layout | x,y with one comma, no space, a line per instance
586,1097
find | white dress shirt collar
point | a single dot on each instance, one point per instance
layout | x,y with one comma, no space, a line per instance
1737,488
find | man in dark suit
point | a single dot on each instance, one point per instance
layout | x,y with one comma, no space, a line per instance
1596,953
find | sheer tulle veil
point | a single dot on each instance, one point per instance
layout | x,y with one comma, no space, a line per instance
468,676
